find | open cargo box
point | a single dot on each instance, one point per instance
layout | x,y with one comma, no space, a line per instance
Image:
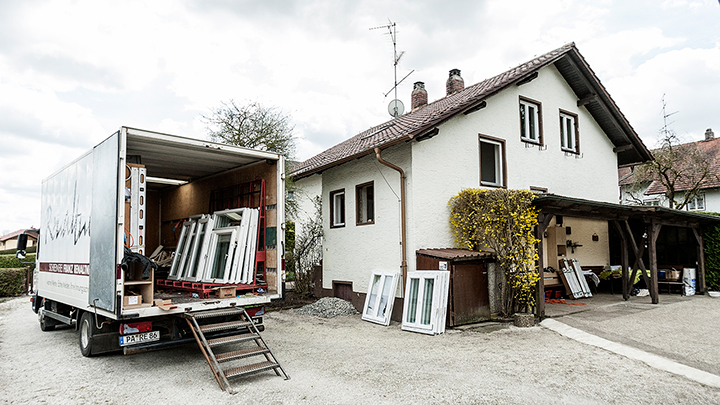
187,178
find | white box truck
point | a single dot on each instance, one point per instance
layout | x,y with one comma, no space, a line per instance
133,193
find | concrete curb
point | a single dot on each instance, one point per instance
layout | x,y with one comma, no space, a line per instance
652,360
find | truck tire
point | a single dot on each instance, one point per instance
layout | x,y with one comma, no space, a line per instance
46,324
87,332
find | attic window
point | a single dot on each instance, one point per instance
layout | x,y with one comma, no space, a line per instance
530,121
569,135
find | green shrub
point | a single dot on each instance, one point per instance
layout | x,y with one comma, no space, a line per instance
12,282
12,262
31,249
712,258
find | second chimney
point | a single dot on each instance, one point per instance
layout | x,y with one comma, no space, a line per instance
418,98
455,82
709,135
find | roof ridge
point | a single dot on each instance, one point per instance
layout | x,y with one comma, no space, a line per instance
417,120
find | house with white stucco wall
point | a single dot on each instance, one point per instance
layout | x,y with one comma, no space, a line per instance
547,125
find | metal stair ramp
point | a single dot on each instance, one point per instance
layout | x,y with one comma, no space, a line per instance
229,336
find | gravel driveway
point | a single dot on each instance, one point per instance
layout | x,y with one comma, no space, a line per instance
341,360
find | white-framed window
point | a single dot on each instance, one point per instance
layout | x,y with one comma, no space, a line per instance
337,208
530,121
183,250
365,203
569,136
195,245
492,162
697,203
380,297
426,298
221,252
655,202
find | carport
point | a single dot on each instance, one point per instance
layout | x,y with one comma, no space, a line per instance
635,231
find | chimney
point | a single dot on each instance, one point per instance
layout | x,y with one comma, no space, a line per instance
709,135
455,82
419,95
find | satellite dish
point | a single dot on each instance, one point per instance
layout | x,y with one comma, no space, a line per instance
396,108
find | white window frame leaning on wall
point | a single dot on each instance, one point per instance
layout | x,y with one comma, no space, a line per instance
426,298
380,297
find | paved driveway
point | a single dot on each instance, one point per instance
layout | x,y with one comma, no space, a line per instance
683,329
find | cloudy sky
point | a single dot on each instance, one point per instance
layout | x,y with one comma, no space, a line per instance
73,72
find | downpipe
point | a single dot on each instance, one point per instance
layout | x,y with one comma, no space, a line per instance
403,265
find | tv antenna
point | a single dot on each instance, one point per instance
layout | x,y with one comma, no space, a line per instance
396,107
665,130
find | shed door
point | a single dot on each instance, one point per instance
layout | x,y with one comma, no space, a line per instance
104,223
470,300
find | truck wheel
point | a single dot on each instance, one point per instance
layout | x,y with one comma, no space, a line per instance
46,325
87,331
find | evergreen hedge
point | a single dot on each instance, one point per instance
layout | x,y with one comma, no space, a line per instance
12,282
12,262
712,258
12,275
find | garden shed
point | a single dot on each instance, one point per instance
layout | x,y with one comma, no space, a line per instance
633,235
469,298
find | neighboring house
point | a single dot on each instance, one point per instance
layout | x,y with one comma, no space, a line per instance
9,241
652,193
547,125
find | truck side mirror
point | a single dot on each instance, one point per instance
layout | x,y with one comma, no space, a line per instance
21,246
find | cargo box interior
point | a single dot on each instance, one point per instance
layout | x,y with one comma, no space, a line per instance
185,179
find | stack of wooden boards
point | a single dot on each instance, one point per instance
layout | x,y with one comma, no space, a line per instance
572,277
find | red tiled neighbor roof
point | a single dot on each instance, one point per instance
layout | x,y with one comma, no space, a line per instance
424,119
712,148
32,234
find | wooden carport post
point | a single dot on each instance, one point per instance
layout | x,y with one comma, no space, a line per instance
624,259
654,229
543,222
700,277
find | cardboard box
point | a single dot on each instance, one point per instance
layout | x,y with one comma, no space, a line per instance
132,299
225,292
672,275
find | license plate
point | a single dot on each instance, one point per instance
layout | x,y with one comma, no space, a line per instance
139,338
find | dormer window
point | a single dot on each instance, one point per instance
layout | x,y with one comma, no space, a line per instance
530,121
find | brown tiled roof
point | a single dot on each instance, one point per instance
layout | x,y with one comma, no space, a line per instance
712,149
32,234
422,120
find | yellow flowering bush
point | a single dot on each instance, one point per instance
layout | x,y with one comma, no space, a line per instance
502,221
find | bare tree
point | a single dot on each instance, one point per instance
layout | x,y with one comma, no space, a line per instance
307,252
679,170
256,126
252,126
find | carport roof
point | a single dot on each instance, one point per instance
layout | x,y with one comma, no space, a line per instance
578,207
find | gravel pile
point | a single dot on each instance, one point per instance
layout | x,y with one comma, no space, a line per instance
328,307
